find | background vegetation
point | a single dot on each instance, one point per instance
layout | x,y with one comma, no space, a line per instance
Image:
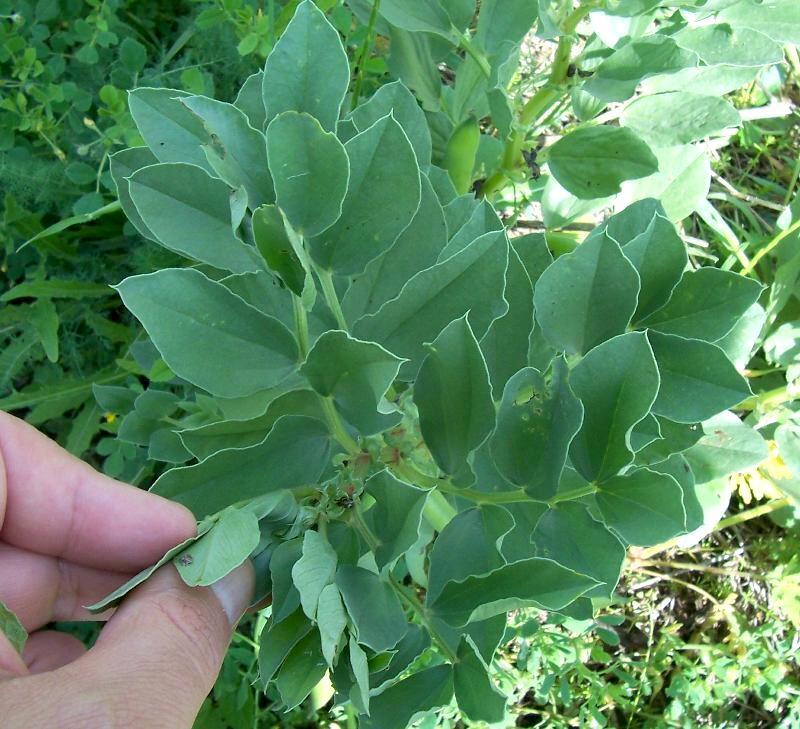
704,634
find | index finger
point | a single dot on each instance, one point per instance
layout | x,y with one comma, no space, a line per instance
58,505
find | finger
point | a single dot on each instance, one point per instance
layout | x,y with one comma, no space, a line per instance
41,589
50,649
153,665
11,663
56,504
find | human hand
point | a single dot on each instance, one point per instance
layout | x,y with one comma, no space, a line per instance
69,536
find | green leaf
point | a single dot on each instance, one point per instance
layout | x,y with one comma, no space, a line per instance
382,198
414,642
779,19
56,289
395,99
617,76
418,15
569,535
679,117
617,382
168,128
132,55
483,219
360,666
478,531
478,698
460,12
728,445
285,597
311,171
195,322
250,100
506,345
470,281
413,60
706,304
332,620
787,438
593,162
397,706
587,296
302,669
314,570
536,416
697,379
416,248
227,545
674,438
720,44
44,319
12,629
631,221
681,183
236,152
356,375
454,397
205,440
275,246
395,517
188,211
643,507
123,164
85,425
294,79
293,454
277,640
533,582
375,610
114,598
659,257
504,22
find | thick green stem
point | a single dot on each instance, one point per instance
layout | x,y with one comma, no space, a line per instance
438,511
331,298
301,326
466,43
479,497
336,426
537,106
767,399
364,53
410,474
573,494
733,520
753,513
403,592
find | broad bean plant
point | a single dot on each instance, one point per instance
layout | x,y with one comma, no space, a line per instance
410,421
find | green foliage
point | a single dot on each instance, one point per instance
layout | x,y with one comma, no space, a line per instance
389,407
359,379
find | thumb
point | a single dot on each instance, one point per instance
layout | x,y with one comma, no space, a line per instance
155,661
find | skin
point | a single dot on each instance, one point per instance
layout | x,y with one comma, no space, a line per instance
68,536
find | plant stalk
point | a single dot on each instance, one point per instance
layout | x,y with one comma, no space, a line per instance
404,593
770,247
539,103
573,494
742,516
301,326
336,426
331,298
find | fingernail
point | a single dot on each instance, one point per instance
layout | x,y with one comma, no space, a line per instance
235,591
